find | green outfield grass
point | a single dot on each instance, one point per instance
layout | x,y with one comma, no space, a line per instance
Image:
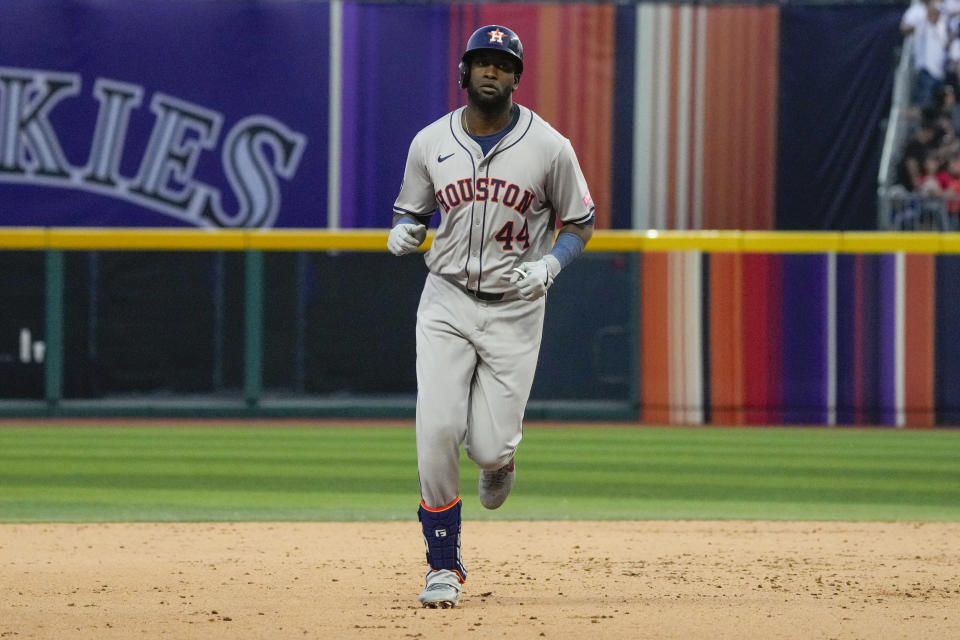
277,472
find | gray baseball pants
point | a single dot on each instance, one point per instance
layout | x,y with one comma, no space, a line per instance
475,366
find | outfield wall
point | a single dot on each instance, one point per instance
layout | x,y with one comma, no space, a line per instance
816,338
662,328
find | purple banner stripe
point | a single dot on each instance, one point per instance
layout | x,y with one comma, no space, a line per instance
886,355
396,68
805,338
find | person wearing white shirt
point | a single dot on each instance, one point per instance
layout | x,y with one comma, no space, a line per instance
928,24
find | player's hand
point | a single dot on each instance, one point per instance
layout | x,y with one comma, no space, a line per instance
405,238
539,276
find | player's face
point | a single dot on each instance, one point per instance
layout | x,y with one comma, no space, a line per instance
492,79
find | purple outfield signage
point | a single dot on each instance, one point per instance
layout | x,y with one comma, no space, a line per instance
163,113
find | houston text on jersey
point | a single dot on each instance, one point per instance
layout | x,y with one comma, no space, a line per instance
484,190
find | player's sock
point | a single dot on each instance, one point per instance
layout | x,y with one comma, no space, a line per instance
441,533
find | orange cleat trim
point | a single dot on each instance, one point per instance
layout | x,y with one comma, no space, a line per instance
439,509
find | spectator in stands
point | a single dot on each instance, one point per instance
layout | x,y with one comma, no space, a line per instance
952,77
945,107
940,113
930,39
951,188
929,176
920,145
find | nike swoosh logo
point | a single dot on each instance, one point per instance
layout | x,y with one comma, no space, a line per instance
442,158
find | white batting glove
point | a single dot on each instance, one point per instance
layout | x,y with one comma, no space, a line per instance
405,238
539,276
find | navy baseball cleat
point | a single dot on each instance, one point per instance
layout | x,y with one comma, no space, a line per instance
495,486
442,591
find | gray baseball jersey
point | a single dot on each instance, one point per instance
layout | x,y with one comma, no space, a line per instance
476,356
498,210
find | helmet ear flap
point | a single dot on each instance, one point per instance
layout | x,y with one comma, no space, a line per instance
464,73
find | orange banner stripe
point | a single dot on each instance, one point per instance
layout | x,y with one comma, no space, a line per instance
655,356
726,342
739,153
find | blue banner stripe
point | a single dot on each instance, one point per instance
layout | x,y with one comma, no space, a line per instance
947,341
621,216
805,338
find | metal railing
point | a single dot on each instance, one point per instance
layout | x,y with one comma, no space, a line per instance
902,210
897,209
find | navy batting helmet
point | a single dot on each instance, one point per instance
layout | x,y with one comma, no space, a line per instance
496,37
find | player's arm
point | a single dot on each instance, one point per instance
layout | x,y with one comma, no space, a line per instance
414,206
572,239
406,235
571,197
411,218
583,231
534,278
576,209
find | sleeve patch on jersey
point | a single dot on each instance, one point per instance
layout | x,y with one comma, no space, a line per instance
587,200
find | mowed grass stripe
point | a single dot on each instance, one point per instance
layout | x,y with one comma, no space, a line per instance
230,461
814,466
286,473
140,473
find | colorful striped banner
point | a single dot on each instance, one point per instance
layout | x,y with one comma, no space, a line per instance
689,90
671,317
705,117
815,338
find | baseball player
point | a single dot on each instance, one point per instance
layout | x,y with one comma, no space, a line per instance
501,178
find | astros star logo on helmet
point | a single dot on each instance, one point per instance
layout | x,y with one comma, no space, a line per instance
496,35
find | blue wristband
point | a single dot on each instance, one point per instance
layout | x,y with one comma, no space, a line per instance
567,248
405,220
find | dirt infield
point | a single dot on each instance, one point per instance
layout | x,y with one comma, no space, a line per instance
527,580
